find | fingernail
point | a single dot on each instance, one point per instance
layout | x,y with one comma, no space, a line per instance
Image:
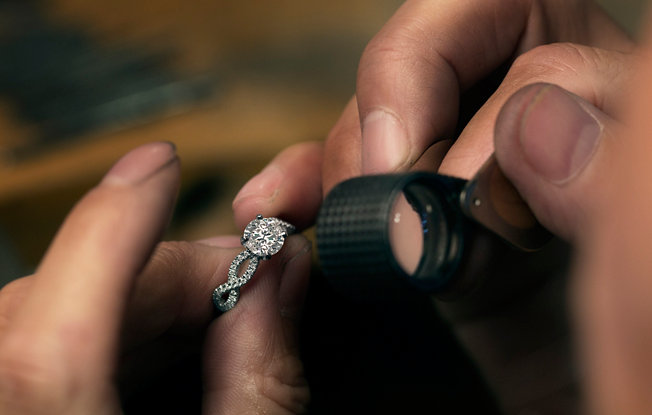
558,135
264,185
384,143
140,163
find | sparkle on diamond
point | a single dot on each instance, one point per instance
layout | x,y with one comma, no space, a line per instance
264,237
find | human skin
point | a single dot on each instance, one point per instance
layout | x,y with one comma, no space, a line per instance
108,300
412,78
594,186
61,327
410,83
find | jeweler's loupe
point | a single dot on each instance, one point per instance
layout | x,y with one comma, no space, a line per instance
376,233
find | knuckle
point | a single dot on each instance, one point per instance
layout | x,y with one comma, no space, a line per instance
583,70
386,48
399,50
553,59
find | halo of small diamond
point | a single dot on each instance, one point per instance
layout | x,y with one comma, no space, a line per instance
264,236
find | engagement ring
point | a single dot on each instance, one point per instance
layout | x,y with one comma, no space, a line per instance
262,238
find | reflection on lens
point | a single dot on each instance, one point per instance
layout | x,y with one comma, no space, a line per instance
406,235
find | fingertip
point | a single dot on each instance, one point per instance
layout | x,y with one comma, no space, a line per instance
551,130
559,135
246,208
508,122
546,140
258,194
288,188
507,133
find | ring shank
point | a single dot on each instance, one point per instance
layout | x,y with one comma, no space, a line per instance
255,251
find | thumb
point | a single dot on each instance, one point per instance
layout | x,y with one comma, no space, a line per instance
553,146
252,360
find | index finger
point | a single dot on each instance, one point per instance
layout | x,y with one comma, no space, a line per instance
64,334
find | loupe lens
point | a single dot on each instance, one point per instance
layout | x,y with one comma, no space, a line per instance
406,234
428,245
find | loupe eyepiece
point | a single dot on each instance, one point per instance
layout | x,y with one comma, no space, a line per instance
377,235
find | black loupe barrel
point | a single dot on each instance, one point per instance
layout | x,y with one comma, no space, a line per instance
378,234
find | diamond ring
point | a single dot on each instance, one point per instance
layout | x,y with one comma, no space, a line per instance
262,238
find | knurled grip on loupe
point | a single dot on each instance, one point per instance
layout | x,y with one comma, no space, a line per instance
353,238
353,232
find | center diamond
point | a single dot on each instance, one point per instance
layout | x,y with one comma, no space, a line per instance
264,237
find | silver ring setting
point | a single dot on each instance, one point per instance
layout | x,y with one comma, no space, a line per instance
262,238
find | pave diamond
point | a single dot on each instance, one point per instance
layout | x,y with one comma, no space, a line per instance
231,288
264,236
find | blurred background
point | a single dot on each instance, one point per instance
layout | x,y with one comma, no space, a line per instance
230,83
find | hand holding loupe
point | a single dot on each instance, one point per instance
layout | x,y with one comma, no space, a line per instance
377,234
